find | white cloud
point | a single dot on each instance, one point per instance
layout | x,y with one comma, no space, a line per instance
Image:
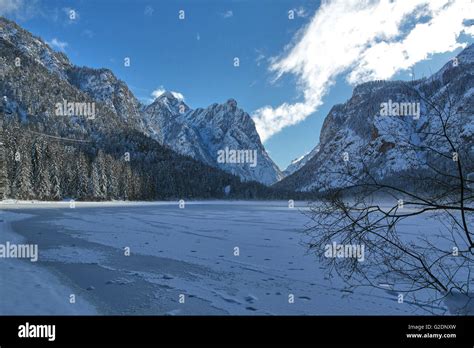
58,44
160,90
178,95
228,14
364,40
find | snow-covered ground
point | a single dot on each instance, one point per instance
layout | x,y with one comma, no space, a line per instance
176,255
27,288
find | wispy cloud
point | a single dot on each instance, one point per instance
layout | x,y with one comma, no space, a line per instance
301,12
160,90
149,11
361,40
227,14
58,44
23,9
260,57
10,6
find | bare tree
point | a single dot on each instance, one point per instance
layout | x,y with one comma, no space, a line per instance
406,253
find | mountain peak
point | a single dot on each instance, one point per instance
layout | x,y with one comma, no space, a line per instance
204,132
232,103
167,95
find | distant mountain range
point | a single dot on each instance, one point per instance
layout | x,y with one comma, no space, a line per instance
78,132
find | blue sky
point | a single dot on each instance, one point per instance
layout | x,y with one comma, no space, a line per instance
195,56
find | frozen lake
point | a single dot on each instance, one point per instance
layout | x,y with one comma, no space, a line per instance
210,258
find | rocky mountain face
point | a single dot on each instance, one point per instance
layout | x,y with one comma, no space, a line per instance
71,132
204,133
102,86
392,127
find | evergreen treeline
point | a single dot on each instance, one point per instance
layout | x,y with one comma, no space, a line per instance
127,166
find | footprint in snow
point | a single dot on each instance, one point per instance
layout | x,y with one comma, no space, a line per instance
347,290
231,300
251,298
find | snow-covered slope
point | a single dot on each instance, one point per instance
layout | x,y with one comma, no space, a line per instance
203,133
100,85
103,86
33,47
357,137
300,162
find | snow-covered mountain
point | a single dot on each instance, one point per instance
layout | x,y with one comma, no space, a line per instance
205,133
100,85
95,144
199,133
300,162
357,136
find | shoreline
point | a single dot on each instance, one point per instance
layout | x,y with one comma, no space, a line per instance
29,288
